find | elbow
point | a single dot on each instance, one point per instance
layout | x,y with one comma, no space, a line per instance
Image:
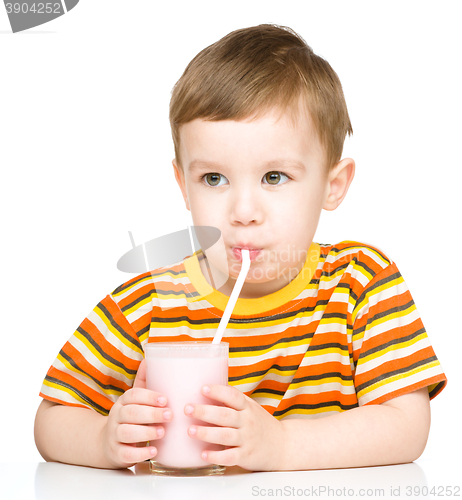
418,430
40,429
413,419
414,451
411,446
38,435
420,440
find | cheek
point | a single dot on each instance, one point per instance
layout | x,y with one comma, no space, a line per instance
204,212
290,210
298,215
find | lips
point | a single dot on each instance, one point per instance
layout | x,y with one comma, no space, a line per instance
254,252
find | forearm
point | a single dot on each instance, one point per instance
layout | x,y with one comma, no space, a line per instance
364,436
70,435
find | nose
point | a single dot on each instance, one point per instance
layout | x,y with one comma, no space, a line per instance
246,207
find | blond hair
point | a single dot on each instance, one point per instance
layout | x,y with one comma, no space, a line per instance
250,71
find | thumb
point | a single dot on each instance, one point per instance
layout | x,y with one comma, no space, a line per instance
140,379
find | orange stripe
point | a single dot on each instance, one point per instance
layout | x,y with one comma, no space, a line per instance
88,368
107,347
396,364
410,388
325,397
119,318
60,401
95,396
394,334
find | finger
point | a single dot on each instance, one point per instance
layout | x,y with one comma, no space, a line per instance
140,379
228,457
217,415
131,455
139,414
229,396
225,436
142,396
131,434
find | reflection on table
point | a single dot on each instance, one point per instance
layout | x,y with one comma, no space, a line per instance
55,481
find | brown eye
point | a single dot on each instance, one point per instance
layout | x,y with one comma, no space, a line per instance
213,179
273,177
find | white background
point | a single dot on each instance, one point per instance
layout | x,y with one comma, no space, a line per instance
85,156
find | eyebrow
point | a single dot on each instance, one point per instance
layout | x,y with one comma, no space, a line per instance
272,165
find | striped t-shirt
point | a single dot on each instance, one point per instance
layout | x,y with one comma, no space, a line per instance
344,333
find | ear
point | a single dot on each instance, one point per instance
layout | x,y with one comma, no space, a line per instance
339,181
179,176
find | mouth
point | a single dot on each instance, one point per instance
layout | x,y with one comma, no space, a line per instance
254,252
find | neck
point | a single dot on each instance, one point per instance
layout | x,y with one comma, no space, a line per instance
249,290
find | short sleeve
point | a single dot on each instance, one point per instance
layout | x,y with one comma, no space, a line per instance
392,353
98,363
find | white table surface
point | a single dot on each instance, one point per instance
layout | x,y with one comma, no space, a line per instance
53,481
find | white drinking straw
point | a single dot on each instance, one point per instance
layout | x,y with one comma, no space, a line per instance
234,295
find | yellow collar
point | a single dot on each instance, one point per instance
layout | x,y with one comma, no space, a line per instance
246,307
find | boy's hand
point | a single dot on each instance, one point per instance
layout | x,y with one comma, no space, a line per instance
129,424
255,439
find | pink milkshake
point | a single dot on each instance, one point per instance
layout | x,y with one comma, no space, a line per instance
179,370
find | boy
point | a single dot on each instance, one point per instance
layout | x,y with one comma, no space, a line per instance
258,123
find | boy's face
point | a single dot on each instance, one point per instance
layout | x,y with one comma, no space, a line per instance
263,183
